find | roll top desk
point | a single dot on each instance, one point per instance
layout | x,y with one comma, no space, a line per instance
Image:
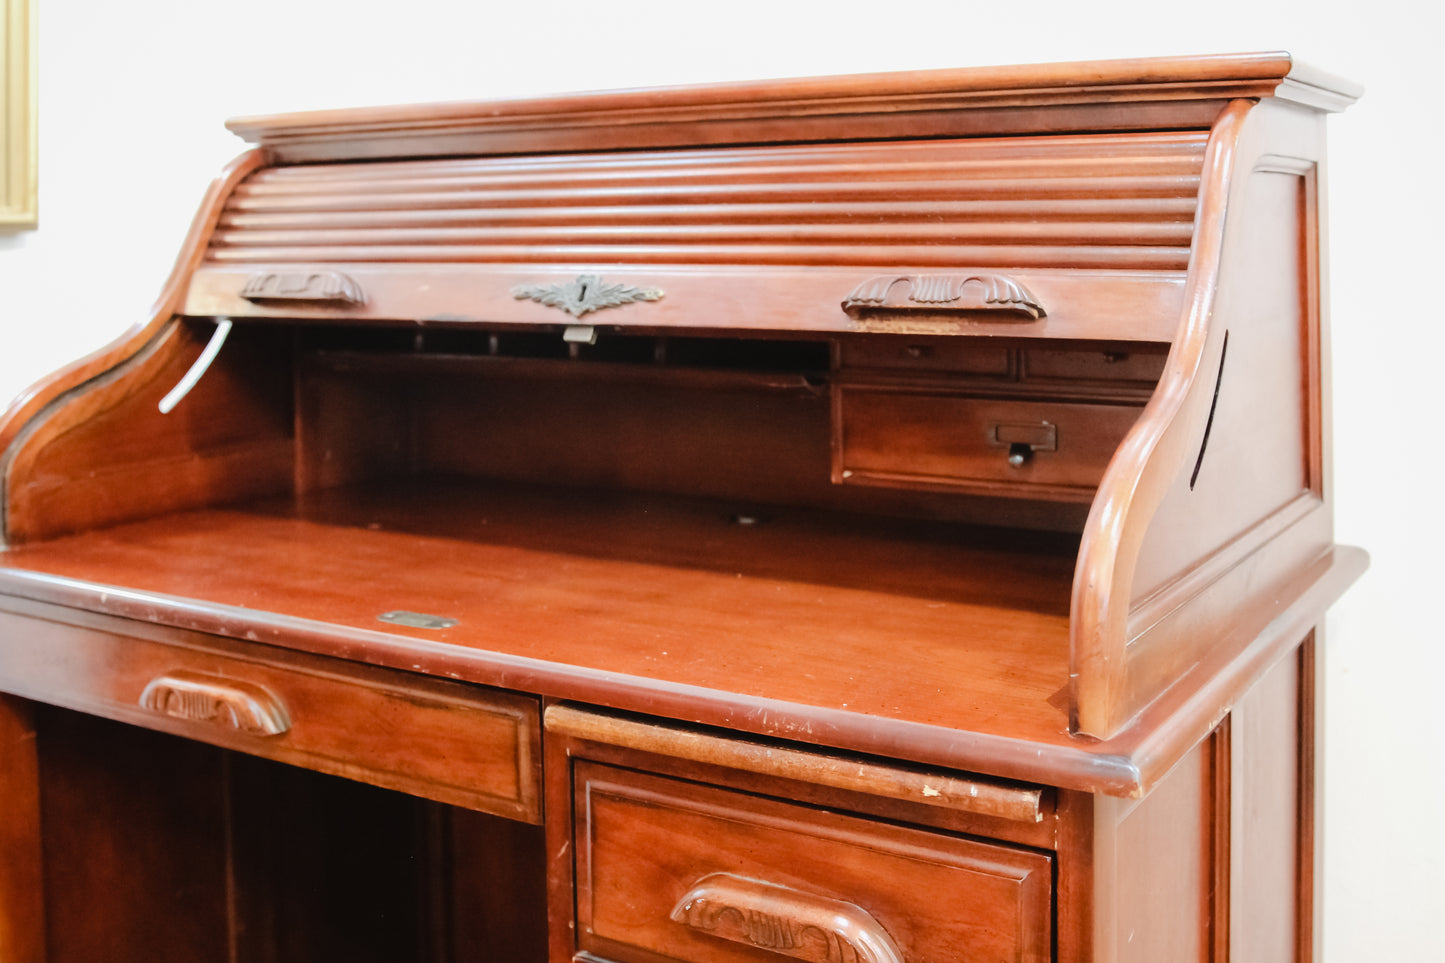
874,519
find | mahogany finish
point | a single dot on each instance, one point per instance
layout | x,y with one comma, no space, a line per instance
314,713
22,925
671,870
855,519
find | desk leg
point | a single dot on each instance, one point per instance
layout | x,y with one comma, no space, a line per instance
1274,853
22,909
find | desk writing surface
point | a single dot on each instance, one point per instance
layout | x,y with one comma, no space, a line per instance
903,620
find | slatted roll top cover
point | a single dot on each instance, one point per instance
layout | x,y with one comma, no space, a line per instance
718,238
925,203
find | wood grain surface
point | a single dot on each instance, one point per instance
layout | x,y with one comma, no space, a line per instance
796,530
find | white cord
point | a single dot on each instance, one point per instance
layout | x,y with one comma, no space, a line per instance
184,386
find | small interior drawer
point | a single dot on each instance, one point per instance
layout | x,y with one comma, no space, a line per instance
674,870
911,438
1142,367
459,744
953,355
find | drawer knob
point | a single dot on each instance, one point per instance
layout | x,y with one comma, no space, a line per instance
1022,440
785,921
220,702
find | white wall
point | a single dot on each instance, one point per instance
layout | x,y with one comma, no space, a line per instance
133,95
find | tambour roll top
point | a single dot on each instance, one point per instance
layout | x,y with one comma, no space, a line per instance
1035,299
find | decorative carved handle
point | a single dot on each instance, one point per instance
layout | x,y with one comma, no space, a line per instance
221,702
303,286
784,921
932,294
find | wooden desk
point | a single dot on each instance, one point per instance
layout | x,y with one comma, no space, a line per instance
863,519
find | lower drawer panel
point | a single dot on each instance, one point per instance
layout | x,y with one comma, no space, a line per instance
669,870
465,745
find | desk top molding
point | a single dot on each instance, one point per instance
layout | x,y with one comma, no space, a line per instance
1012,99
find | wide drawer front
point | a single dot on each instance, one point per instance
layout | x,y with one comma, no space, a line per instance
1004,446
673,870
459,744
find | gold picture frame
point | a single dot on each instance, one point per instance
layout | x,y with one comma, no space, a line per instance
18,157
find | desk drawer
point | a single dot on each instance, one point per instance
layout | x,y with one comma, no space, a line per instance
677,871
916,438
920,355
464,745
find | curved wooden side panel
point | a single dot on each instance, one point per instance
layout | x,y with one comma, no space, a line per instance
105,453
1215,498
72,447
35,399
1153,452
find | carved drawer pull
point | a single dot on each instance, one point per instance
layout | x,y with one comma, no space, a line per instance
784,921
303,286
947,293
221,702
